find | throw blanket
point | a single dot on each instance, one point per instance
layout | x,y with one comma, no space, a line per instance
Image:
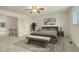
46,33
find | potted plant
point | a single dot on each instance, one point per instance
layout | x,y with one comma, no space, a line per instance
33,26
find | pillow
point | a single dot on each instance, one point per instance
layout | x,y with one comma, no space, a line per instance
49,31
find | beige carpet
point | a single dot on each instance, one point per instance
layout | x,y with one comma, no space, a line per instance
35,47
62,45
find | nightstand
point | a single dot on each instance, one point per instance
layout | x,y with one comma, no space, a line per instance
61,33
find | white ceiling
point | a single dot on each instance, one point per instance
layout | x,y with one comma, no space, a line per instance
48,9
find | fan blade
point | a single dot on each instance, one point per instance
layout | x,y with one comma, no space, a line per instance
40,8
38,11
31,12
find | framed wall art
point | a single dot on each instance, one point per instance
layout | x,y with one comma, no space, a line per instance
49,21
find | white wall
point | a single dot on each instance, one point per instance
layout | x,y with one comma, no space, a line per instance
11,23
74,29
61,20
24,21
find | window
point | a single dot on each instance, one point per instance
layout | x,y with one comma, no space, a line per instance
76,17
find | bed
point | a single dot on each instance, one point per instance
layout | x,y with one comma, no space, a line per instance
48,31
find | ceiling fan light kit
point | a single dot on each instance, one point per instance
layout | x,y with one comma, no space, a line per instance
35,9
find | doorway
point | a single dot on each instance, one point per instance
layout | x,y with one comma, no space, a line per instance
8,25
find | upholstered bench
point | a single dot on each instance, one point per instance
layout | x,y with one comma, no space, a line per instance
38,39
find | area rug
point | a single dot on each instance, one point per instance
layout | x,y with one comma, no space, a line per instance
34,47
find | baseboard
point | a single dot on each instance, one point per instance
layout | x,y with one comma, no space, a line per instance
73,42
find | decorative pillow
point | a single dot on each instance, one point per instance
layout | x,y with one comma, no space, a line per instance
49,31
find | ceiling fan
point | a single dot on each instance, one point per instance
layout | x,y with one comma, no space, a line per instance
35,9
